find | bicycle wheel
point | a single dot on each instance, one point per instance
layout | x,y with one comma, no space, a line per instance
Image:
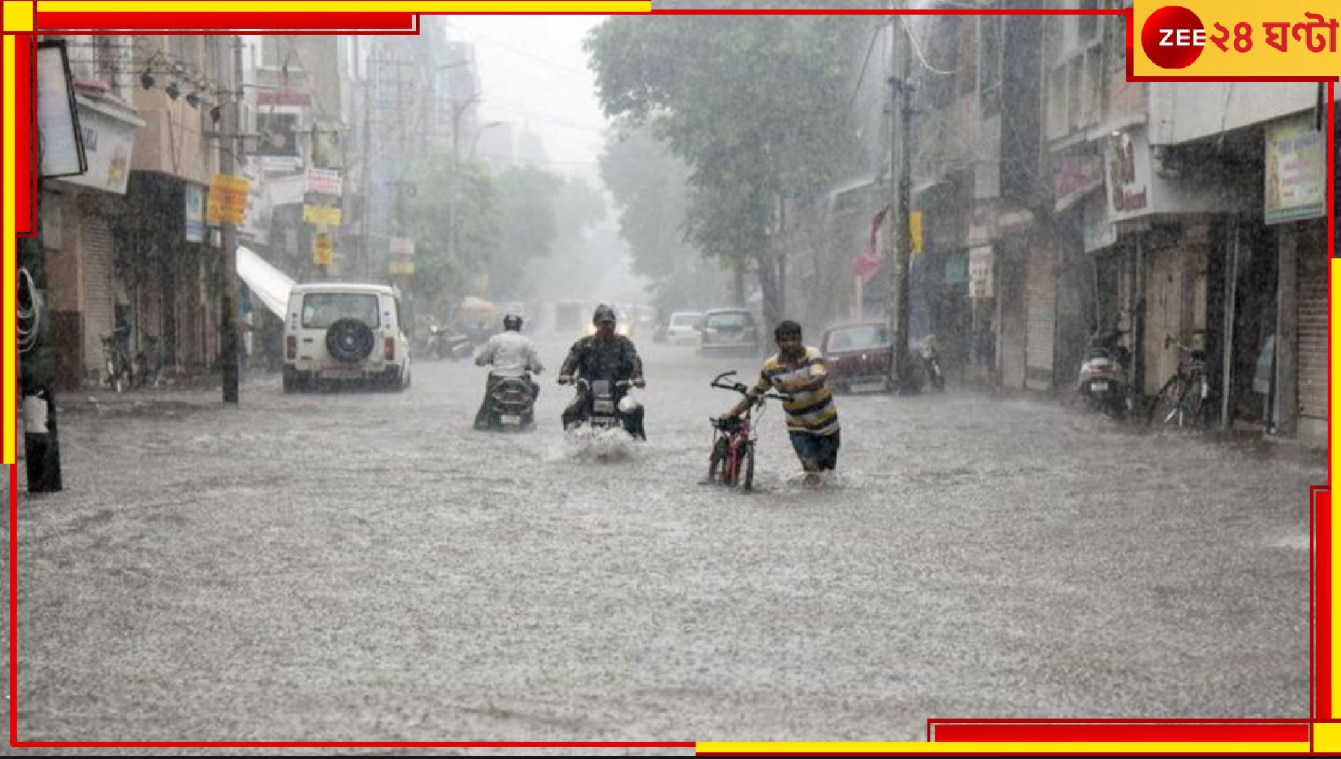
715,459
749,467
731,474
1193,403
1167,402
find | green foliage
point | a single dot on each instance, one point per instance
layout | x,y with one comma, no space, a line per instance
442,279
756,107
530,227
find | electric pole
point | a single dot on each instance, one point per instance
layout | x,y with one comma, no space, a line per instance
900,236
228,337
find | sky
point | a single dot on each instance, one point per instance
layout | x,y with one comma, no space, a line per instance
532,71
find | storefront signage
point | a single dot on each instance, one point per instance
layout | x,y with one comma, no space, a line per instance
227,202
57,114
1296,171
1078,174
195,213
980,272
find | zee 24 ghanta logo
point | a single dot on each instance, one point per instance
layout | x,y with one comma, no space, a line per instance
1173,37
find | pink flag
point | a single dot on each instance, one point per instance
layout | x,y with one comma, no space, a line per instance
866,263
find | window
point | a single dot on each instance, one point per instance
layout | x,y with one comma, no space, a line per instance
731,320
859,338
321,310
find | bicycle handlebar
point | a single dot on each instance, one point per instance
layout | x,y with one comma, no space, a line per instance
743,390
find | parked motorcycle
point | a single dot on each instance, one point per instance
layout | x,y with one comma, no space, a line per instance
444,343
1104,379
512,405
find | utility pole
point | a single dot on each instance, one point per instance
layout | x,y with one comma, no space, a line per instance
900,237
228,337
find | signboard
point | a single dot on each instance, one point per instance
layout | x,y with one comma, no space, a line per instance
1296,171
323,249
402,246
980,272
195,212
915,232
1078,174
1136,191
228,199
108,144
58,131
402,267
285,190
328,215
324,182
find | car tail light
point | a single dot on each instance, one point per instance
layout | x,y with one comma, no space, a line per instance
291,347
390,348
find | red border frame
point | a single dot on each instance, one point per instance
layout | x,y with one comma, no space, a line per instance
959,729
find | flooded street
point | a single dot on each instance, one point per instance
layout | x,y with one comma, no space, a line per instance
365,566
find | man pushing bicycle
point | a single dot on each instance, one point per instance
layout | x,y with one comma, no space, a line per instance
812,417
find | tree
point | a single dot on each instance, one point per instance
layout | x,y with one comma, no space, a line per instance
649,186
530,228
442,280
756,107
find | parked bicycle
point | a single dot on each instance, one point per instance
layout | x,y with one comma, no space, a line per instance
1182,401
116,366
149,362
734,439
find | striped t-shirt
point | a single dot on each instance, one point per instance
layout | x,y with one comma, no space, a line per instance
810,411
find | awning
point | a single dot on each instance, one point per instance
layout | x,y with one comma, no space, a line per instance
269,284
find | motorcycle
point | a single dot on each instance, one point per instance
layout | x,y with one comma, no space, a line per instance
1104,380
931,364
444,343
512,405
604,405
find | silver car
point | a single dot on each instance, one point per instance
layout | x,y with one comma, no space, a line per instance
728,331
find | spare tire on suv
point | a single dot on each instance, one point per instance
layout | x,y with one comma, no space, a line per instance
349,341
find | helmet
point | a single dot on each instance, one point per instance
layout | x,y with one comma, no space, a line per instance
512,322
603,314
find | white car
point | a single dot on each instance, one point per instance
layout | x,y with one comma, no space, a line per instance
345,333
680,328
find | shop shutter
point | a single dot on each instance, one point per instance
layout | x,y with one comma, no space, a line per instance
1312,314
1041,317
99,320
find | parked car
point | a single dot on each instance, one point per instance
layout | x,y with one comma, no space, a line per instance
345,333
728,331
680,327
858,356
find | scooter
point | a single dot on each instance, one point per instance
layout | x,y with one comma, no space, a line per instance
1104,380
444,343
512,405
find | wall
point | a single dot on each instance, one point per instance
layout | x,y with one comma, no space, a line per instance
1184,111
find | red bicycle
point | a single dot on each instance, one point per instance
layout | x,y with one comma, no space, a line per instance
733,439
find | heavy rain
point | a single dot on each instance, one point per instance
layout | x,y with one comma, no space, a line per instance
337,352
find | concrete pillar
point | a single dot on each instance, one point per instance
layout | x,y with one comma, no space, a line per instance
1285,407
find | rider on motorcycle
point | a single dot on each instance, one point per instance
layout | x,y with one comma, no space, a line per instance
511,354
604,356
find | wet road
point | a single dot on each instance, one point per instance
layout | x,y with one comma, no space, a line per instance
366,567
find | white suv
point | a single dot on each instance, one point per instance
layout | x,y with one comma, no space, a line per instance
342,332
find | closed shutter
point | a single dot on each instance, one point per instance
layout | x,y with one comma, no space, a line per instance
1312,315
96,253
1041,317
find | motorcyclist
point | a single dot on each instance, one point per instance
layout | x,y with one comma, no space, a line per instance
604,356
508,354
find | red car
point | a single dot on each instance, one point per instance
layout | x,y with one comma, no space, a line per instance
858,356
